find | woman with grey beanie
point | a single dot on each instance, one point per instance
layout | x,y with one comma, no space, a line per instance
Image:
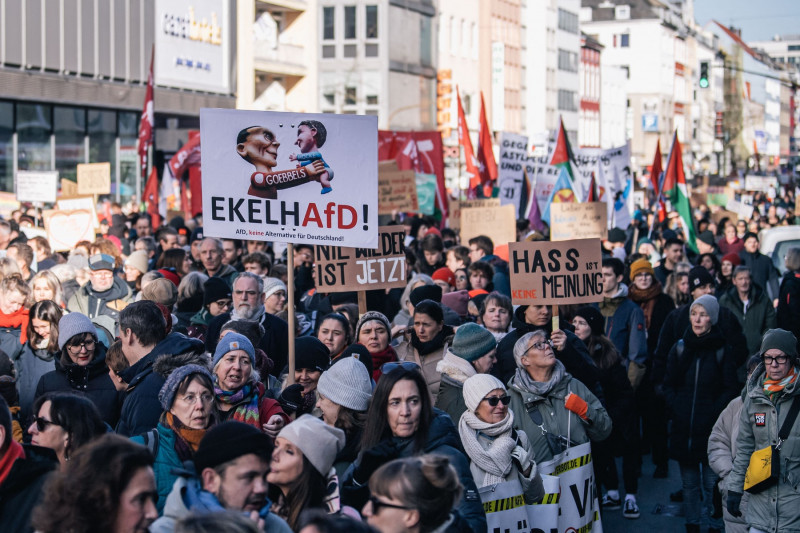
344,392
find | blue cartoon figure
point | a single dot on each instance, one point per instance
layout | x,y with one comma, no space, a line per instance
311,135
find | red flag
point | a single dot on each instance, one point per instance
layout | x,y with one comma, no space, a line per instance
655,176
592,195
150,197
466,144
146,125
486,162
187,156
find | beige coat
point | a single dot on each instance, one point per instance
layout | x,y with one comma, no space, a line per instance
721,451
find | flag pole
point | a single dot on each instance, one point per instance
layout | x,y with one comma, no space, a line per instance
290,317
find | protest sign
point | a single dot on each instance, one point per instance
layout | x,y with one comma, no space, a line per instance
36,186
588,220
457,205
742,210
79,202
342,269
68,187
290,177
552,273
66,228
759,183
543,178
94,178
506,509
8,204
497,223
397,192
426,192
513,161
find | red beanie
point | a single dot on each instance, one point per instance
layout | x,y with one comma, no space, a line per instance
446,275
734,259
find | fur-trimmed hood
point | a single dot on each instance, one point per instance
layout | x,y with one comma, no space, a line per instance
166,363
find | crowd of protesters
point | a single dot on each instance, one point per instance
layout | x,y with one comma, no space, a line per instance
145,381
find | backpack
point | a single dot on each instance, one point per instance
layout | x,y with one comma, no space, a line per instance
151,441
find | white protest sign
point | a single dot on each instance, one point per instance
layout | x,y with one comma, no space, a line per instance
36,186
290,177
544,178
506,510
510,169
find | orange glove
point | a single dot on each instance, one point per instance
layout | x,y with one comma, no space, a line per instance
576,404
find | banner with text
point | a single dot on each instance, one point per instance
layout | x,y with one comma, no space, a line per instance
37,186
290,177
552,273
341,269
588,220
397,192
457,205
497,223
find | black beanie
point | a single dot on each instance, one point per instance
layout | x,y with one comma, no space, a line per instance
229,441
309,352
699,276
215,289
426,292
593,317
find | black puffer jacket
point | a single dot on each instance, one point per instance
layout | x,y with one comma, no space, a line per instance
699,383
574,356
789,303
22,488
91,380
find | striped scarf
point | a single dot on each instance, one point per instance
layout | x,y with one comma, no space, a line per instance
774,386
246,400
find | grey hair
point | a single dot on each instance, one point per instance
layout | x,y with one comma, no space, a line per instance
524,343
216,241
259,280
191,285
741,268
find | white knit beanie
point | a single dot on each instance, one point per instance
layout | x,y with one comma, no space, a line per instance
319,442
347,383
477,387
273,285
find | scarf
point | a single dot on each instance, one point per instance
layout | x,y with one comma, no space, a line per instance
523,380
379,358
257,316
496,461
774,386
246,401
436,343
14,452
187,440
646,299
18,320
455,367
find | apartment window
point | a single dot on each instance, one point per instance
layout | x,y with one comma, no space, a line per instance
566,100
328,51
622,12
349,96
327,23
349,51
372,99
567,21
370,50
567,61
349,22
794,47
372,22
625,40
330,98
425,35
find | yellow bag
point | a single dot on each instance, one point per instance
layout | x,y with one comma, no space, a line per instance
764,469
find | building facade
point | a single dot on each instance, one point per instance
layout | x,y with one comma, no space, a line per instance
589,119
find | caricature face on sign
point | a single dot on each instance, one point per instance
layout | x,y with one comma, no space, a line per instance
277,183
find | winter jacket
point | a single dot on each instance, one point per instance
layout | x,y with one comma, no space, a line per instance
141,409
788,314
31,366
757,319
187,496
22,488
91,380
443,439
348,455
406,352
91,303
762,272
721,451
556,418
625,326
699,382
455,371
166,461
11,339
774,509
574,356
275,341
662,307
227,273
677,323
500,281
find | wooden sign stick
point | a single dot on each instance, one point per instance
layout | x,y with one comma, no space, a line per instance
291,317
362,302
555,318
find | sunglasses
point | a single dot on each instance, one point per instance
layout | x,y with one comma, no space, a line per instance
377,504
405,365
42,423
494,400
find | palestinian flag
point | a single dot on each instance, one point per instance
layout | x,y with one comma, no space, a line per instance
655,178
674,189
562,154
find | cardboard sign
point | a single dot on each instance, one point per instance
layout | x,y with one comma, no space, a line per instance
553,273
68,187
79,202
341,269
66,228
8,204
588,220
457,205
397,192
497,223
290,177
742,210
94,178
35,186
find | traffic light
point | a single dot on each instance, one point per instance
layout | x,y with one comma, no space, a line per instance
704,74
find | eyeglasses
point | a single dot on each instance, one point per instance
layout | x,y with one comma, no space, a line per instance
102,273
405,365
223,303
377,504
191,399
494,400
249,294
42,423
780,359
76,348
